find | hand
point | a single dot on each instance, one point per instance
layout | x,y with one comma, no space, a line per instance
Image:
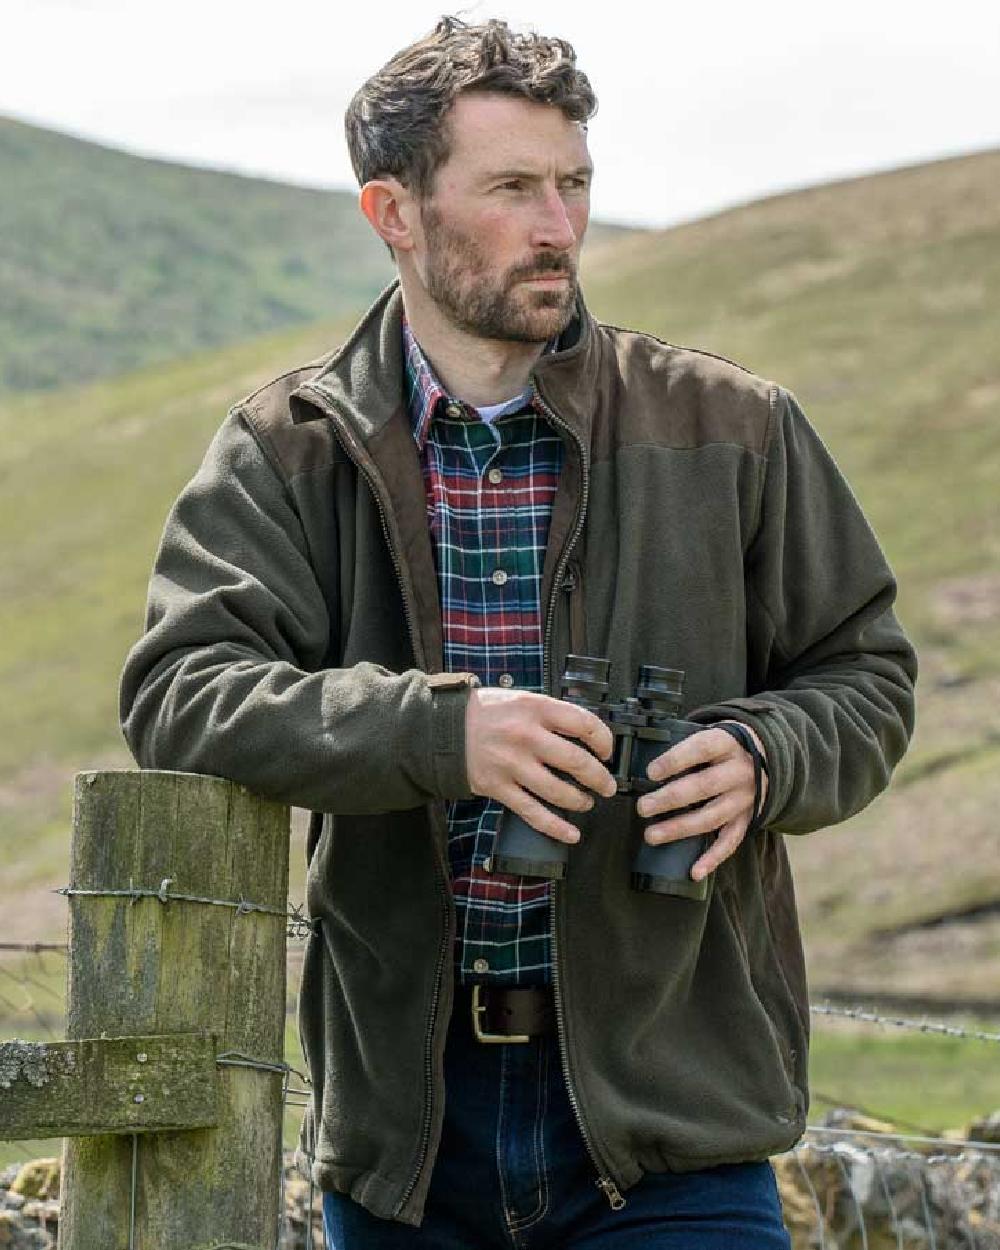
514,740
726,783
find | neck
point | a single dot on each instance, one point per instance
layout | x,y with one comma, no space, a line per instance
477,370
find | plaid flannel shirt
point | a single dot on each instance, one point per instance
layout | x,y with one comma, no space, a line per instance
490,487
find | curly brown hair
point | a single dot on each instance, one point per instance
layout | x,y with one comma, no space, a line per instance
395,124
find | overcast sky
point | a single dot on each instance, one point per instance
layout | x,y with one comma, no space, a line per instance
702,106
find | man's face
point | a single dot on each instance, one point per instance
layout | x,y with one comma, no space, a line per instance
503,226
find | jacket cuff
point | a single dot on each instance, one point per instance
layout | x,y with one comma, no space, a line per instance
449,701
765,719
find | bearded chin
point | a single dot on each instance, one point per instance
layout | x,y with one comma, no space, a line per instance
491,314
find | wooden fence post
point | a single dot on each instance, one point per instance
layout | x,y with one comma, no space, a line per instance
166,966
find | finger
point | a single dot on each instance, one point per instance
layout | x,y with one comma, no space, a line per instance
704,747
578,762
538,816
704,820
545,785
726,844
708,783
576,722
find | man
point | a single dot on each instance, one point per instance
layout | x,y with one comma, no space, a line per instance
362,605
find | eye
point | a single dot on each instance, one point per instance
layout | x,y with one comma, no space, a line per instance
512,184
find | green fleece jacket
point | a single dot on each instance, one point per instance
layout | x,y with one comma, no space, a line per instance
293,643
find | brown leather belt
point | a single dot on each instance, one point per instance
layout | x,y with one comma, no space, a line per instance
508,1015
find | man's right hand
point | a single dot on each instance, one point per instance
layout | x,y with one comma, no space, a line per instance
514,739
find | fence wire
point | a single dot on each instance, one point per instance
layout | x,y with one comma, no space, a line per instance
842,1187
32,990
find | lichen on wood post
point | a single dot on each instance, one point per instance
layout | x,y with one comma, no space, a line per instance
141,967
108,1085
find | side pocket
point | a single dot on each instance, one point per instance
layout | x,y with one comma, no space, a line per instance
782,923
764,1001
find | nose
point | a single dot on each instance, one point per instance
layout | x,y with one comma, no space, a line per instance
553,227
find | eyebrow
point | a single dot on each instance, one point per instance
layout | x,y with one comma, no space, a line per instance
588,170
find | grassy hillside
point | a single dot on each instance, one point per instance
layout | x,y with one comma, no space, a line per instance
875,300
110,261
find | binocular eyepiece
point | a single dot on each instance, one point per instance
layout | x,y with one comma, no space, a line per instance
644,726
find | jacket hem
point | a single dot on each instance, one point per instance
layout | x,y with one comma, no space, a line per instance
371,1190
664,1161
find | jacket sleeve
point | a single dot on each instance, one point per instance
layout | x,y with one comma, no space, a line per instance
830,671
228,678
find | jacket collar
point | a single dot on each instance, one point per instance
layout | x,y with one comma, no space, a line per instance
365,382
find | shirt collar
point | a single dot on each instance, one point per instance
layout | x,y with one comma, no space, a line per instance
424,391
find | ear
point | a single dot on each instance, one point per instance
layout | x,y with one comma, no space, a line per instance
391,210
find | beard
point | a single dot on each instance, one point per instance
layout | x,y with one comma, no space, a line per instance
491,305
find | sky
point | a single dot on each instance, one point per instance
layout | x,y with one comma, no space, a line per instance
701,107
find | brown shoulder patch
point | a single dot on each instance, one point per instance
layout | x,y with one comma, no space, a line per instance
297,435
663,395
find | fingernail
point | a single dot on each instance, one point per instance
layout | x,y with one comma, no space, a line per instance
653,773
574,836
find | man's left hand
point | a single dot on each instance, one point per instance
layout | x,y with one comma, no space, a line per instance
725,784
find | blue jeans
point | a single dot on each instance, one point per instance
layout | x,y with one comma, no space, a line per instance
513,1172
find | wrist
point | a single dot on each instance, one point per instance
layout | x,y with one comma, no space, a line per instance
751,743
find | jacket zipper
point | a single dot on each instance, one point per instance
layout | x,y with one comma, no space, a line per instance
345,440
605,1180
568,549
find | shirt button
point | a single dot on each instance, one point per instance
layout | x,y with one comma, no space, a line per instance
499,577
453,410
505,680
495,476
480,965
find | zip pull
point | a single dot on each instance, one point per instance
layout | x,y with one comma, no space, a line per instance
568,584
611,1192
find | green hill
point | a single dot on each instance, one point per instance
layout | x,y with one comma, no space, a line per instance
876,300
110,261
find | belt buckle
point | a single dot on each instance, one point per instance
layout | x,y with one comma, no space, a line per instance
479,1009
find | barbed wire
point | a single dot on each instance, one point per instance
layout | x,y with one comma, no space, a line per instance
897,1022
956,1143
163,894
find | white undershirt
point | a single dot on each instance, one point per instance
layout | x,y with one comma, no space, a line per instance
491,411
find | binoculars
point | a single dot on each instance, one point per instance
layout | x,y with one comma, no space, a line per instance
644,726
